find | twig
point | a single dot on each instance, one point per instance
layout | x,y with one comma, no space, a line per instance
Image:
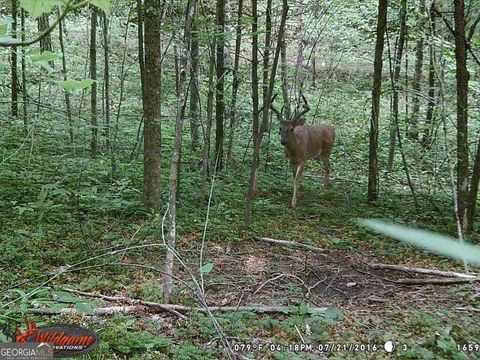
435,281
290,243
468,309
129,301
423,271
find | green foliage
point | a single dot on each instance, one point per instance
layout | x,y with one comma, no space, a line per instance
437,243
75,84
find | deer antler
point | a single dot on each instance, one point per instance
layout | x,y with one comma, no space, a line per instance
279,114
298,115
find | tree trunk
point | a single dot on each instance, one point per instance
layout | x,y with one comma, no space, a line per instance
93,76
141,54
174,168
235,84
208,130
195,87
462,113
257,133
429,119
45,42
14,56
152,110
284,75
219,98
300,77
417,78
255,114
396,78
376,92
106,77
68,106
24,72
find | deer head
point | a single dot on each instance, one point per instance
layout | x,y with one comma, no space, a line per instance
287,126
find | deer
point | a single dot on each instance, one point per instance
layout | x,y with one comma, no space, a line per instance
303,142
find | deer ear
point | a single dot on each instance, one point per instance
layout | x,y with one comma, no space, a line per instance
301,120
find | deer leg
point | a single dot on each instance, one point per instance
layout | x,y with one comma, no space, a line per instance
296,184
326,164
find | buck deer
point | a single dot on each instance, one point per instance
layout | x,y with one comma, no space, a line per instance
304,142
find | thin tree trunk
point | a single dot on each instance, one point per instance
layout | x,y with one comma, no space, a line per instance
45,42
266,56
429,119
174,168
412,132
175,55
462,113
255,114
395,80
284,75
219,98
314,68
300,77
106,77
152,109
68,106
195,87
257,133
141,52
235,84
24,72
93,76
208,130
376,92
14,65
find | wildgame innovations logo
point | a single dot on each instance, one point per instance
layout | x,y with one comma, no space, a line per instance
65,340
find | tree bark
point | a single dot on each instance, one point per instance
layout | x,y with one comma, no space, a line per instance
462,113
255,114
45,42
195,87
61,30
235,84
141,51
284,75
152,110
429,118
219,97
208,130
300,77
24,72
376,92
174,168
412,132
14,65
106,77
395,80
257,132
93,76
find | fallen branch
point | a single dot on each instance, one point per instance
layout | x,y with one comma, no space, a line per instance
290,243
468,309
183,309
130,309
424,271
435,281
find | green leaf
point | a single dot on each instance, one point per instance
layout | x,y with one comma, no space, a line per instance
45,56
205,269
74,84
38,7
102,5
85,308
440,244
